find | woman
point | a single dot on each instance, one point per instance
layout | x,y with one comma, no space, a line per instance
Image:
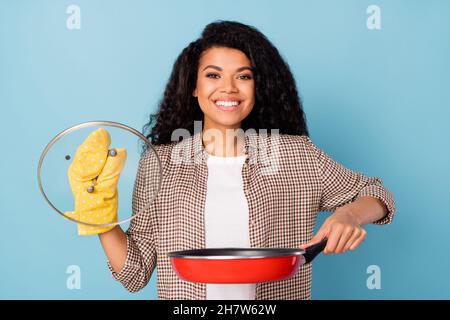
236,185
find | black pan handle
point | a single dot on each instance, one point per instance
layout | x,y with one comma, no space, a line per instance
312,251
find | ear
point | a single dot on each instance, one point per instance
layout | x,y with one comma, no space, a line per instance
194,93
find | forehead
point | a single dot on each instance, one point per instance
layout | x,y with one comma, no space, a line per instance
224,57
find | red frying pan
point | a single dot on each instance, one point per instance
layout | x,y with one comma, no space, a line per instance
241,265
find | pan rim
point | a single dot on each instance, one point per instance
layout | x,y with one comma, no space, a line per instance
221,253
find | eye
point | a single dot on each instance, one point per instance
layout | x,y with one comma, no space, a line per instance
212,75
245,77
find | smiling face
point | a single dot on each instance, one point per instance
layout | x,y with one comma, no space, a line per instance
225,88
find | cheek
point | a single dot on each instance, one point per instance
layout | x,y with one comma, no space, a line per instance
205,89
249,108
249,90
252,98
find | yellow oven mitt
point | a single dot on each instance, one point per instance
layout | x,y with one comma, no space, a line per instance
93,176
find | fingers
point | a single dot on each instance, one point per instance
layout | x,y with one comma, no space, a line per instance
321,234
358,240
346,234
91,156
342,239
355,235
342,231
333,240
109,176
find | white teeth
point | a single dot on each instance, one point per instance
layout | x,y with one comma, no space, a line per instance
227,103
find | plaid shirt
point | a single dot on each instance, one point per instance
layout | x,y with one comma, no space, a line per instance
287,180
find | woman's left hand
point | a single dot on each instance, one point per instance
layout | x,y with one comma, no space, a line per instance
343,231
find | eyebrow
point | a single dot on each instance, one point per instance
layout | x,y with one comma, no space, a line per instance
220,69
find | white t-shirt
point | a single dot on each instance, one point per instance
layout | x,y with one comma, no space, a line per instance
226,219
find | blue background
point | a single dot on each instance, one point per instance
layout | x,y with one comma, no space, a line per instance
378,101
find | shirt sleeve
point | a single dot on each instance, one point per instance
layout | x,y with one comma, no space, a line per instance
141,245
341,185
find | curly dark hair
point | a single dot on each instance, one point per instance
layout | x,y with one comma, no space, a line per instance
277,103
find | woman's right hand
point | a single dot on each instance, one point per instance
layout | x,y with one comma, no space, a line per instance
93,176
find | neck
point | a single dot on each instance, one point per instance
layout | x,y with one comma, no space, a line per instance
223,142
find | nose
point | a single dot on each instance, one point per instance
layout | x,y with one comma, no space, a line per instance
229,85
